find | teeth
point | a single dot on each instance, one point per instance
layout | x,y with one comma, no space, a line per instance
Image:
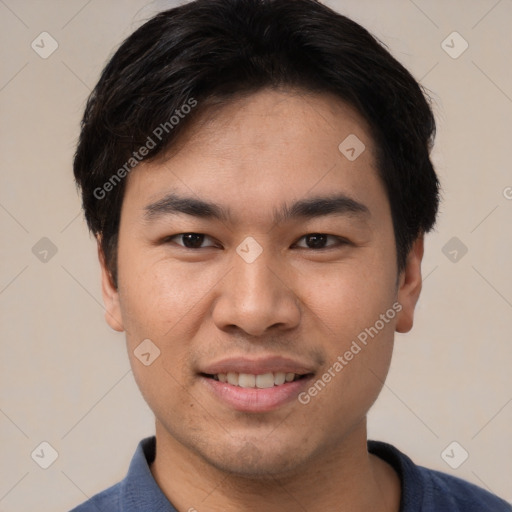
246,380
263,381
280,378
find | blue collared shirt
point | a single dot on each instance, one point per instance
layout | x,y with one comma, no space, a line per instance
423,490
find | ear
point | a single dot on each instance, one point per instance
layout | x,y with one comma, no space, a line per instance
409,286
110,294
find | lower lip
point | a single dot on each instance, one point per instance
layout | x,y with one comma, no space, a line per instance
255,399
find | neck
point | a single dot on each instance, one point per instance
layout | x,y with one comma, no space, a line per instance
347,478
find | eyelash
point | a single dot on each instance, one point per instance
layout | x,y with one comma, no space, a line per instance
340,241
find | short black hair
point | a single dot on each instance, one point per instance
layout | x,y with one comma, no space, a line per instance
206,51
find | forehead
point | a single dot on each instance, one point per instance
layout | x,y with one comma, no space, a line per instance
265,150
292,119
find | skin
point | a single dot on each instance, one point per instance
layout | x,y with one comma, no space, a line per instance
294,300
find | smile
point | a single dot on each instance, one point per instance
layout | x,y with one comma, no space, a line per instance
262,381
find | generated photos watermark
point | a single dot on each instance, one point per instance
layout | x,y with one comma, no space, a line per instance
137,156
355,348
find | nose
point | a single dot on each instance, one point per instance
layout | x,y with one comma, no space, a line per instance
256,297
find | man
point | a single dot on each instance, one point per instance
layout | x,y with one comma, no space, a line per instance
258,178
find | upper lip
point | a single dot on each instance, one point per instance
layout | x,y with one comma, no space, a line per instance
257,366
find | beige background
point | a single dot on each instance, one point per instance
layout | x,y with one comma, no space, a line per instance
65,377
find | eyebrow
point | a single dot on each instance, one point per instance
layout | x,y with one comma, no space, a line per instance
337,204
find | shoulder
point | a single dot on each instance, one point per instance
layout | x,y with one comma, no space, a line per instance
105,500
428,490
138,483
443,490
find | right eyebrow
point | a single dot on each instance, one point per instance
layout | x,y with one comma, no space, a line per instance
174,204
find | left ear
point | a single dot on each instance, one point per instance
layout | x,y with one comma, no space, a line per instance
409,286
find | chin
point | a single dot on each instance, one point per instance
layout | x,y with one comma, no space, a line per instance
256,460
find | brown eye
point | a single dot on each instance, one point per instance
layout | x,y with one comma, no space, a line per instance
318,241
189,240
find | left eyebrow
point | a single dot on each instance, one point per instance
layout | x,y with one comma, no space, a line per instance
319,206
174,204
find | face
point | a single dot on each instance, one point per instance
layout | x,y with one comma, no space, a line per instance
274,283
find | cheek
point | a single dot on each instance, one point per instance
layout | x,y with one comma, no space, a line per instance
358,348
162,302
161,385
352,307
350,296
158,296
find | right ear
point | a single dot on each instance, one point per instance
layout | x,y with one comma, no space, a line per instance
110,294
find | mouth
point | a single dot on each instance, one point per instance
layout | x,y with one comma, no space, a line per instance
260,381
256,386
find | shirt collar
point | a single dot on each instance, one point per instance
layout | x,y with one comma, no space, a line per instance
139,490
411,480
